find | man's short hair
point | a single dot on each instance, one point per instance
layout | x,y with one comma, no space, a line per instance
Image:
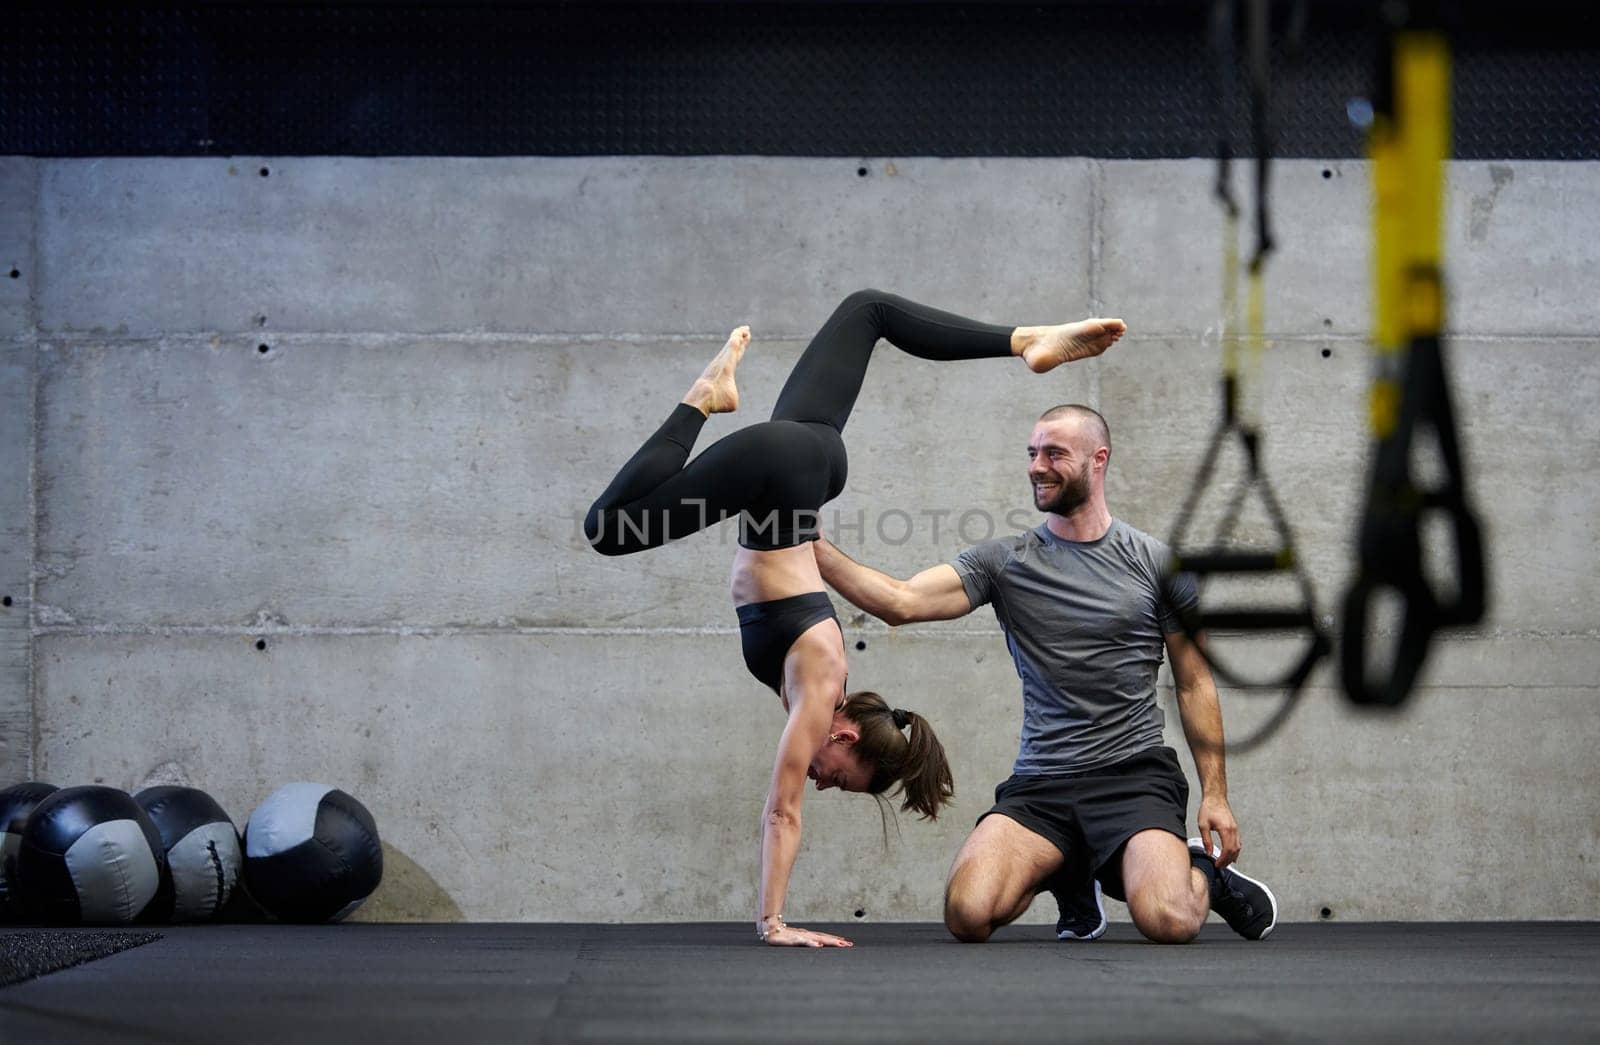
1088,415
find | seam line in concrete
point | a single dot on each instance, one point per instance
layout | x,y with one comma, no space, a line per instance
33,249
34,421
74,338
33,558
1096,244
421,631
1096,232
425,630
77,631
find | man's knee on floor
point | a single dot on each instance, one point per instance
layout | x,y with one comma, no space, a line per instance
967,919
1164,922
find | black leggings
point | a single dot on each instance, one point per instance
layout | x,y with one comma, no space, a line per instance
777,473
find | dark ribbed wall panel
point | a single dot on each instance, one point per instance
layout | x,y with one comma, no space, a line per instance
818,79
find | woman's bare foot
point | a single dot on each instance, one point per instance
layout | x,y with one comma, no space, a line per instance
714,391
1045,348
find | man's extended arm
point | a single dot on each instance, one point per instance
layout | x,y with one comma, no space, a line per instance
934,594
1201,715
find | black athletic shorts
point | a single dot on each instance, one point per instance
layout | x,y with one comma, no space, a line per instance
1089,816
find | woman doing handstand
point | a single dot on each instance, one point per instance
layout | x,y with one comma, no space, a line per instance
775,475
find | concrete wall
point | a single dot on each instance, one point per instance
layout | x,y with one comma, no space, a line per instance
292,453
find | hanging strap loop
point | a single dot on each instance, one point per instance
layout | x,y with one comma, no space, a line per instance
1239,420
1408,144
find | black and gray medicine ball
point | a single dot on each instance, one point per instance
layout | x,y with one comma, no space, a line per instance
91,855
202,849
311,854
16,803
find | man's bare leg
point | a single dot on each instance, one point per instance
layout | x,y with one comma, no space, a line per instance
999,870
1168,896
714,391
1045,348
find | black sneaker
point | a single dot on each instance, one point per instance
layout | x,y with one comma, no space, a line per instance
1247,905
1083,915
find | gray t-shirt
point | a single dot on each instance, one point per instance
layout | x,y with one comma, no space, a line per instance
1086,624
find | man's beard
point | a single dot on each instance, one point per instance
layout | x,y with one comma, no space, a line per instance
1071,495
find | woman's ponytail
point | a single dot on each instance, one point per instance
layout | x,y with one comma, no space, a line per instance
903,750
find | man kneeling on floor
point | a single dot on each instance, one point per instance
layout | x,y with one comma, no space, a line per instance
1095,798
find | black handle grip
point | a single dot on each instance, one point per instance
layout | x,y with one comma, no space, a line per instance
1210,561
1258,620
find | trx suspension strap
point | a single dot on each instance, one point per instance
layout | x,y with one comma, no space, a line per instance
1408,143
1220,557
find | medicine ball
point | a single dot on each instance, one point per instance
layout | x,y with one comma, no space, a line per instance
311,854
16,803
202,849
91,855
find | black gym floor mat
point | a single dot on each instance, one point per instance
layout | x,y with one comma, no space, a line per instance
465,983
26,953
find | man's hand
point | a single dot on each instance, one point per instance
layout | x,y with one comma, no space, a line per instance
1216,817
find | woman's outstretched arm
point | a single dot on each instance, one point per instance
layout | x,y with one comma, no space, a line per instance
814,681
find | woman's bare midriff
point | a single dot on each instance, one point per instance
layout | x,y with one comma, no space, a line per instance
762,576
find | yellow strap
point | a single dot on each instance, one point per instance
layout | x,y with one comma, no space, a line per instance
1250,394
1230,295
1408,150
1423,77
1388,232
